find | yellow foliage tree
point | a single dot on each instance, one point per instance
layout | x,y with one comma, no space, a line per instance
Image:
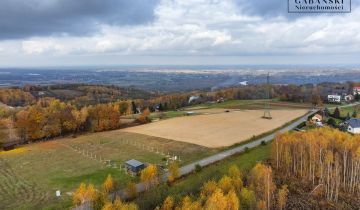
83,194
282,197
144,116
207,189
232,201
261,178
149,176
226,184
236,177
108,185
168,203
217,201
174,171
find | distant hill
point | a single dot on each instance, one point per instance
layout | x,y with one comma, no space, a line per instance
79,94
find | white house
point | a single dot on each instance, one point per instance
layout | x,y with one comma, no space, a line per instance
353,126
316,118
348,98
334,98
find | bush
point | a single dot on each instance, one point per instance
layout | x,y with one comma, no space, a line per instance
331,122
198,168
263,143
246,149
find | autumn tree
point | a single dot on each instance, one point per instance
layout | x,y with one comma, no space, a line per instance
83,194
261,178
232,201
149,176
247,199
216,201
226,184
282,197
174,171
119,205
168,203
144,116
108,185
208,189
236,177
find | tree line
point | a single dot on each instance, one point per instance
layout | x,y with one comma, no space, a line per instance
232,192
235,191
50,117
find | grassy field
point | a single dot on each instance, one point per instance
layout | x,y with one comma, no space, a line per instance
251,104
344,111
191,184
230,104
33,173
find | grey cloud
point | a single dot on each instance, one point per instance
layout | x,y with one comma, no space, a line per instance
26,18
276,8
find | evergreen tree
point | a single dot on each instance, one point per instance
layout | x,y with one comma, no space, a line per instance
336,112
354,114
134,108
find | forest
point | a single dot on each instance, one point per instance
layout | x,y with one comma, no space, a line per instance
325,162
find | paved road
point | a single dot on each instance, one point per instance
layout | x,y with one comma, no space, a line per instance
187,169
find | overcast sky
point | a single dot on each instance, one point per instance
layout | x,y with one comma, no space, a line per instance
180,32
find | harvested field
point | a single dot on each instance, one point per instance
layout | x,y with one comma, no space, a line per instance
218,128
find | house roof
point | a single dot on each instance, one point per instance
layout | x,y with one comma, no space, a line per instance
134,163
317,116
354,122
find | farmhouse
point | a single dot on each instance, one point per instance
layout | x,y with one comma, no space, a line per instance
134,166
334,98
356,90
316,118
348,98
353,126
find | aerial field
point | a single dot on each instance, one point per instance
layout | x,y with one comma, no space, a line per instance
32,173
217,128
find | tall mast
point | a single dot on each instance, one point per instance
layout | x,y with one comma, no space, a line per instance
267,114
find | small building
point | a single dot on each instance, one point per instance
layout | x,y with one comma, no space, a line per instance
134,166
334,98
356,90
353,126
348,98
190,113
316,118
319,124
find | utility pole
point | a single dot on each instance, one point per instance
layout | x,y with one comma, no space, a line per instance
267,114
